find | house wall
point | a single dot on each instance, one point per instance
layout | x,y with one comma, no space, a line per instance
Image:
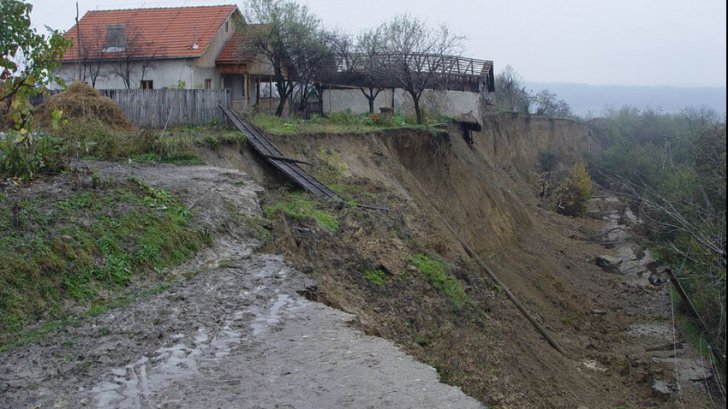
207,60
451,103
164,74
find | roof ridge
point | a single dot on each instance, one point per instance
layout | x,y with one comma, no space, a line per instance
162,8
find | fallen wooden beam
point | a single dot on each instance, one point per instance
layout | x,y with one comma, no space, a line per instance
285,159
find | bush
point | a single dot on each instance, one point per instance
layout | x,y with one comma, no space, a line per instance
343,118
547,161
27,156
574,192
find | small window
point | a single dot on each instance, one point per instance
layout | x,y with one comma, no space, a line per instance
147,84
227,26
208,83
115,38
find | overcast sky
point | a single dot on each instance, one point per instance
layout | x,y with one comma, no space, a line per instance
615,42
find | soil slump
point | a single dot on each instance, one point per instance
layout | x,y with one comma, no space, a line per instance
235,334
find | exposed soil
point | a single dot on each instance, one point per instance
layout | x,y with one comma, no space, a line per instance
547,260
231,332
238,334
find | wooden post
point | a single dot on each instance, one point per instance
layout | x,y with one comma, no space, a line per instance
78,37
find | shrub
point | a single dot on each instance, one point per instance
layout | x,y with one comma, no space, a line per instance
28,156
547,161
343,118
574,191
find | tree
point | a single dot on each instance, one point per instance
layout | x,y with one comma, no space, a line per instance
574,192
416,55
128,51
369,50
30,59
547,104
510,93
671,168
91,54
294,45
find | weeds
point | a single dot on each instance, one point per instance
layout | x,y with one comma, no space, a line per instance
304,209
82,245
26,156
376,277
336,123
433,270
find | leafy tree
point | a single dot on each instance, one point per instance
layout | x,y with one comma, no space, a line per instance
416,55
574,191
29,58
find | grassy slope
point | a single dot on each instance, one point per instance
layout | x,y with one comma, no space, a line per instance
75,239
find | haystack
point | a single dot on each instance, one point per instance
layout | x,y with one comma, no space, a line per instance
80,102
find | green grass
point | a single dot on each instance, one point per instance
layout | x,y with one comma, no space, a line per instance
434,271
78,246
94,140
338,123
301,208
375,276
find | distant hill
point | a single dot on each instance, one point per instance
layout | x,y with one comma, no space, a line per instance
592,100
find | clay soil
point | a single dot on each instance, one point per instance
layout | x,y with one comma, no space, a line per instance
440,192
235,310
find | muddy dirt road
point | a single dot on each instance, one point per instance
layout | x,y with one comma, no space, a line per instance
231,332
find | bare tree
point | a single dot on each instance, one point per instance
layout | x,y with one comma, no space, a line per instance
91,47
510,93
547,104
369,50
417,55
294,45
128,51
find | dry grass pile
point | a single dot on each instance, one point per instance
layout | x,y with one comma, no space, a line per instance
82,103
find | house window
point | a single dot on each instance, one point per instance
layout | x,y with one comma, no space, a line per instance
208,83
147,84
115,38
227,23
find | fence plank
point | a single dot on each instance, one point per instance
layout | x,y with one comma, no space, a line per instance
157,108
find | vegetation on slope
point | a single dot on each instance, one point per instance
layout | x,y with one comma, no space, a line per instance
77,239
672,168
345,123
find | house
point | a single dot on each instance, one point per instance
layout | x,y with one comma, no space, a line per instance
179,47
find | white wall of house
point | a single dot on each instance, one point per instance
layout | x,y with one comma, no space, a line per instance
451,103
163,73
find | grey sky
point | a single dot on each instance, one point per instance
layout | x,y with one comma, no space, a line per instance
626,42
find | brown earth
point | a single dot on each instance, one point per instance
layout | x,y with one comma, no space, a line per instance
488,193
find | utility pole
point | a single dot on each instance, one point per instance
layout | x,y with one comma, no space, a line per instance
78,44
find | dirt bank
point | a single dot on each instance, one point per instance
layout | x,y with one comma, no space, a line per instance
487,193
232,331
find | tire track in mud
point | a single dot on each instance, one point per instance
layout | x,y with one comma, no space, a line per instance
237,334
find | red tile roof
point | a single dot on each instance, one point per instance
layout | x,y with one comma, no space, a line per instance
156,32
240,47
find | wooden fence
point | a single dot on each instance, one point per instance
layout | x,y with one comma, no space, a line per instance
158,108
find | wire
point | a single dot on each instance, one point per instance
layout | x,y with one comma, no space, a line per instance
702,366
714,367
674,347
